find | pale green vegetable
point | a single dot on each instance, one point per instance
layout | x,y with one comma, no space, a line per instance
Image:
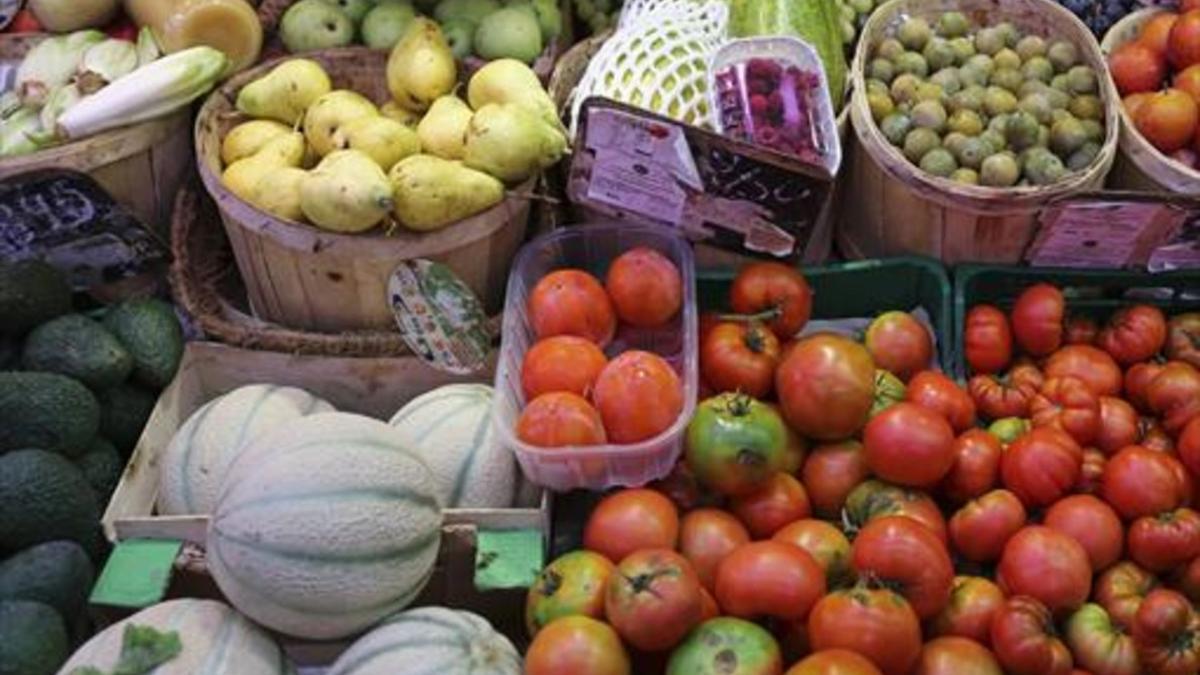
147,48
52,63
106,62
59,101
16,133
10,103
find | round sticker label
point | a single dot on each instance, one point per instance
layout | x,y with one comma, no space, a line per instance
439,317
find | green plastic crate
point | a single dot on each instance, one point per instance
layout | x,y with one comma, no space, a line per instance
1094,293
862,288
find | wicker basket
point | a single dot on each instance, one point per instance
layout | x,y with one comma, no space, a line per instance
897,209
302,277
1139,165
141,166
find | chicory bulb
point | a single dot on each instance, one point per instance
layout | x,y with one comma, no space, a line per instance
147,47
16,133
105,62
59,101
52,63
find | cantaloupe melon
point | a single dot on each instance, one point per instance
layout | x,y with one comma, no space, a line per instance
216,640
430,641
324,526
451,429
193,464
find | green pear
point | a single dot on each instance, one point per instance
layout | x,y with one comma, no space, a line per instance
471,10
278,193
286,92
510,81
460,35
346,192
309,25
354,9
431,192
330,112
511,142
386,23
408,118
511,33
443,130
382,139
421,67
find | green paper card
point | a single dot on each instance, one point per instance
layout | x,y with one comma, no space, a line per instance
507,558
137,573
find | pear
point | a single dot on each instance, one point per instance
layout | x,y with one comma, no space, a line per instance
309,25
286,92
408,118
511,142
248,138
347,192
285,150
443,129
471,10
384,25
512,32
384,140
510,81
330,112
431,192
421,67
242,176
278,193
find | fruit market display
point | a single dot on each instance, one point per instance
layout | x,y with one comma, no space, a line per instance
488,29
425,159
1158,74
985,105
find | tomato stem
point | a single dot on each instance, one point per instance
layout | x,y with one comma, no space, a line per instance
769,314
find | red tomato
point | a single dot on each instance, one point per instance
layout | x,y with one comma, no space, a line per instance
987,339
825,543
571,585
1068,404
1140,482
1168,120
956,656
834,662
683,488
777,288
1168,540
706,536
1121,589
1155,32
1187,580
708,606
873,499
933,390
1136,68
996,397
653,599
1183,338
1024,639
1189,446
1154,436
1093,524
561,363
909,445
1118,425
796,448
1092,471
781,501
976,466
899,344
1037,319
738,356
571,302
24,22
831,472
1100,645
973,604
1174,395
877,624
1187,486
560,419
631,519
716,643
1166,631
1134,334
1080,330
826,386
645,287
639,396
1026,375
1041,466
906,556
577,645
1137,379
1047,565
1094,366
769,578
1183,42
980,529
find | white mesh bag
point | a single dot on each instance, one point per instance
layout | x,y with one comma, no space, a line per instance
658,59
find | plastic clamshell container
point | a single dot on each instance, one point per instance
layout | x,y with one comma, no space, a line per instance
788,51
592,248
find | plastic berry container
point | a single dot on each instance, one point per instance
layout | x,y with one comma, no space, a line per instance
772,91
593,248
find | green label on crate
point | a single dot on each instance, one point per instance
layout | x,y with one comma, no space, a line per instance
507,558
137,573
439,316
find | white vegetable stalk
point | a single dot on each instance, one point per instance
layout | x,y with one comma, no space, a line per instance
156,89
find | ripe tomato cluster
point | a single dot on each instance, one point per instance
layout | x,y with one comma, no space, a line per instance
1036,522
576,395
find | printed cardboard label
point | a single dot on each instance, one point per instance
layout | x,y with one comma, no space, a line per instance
439,317
1103,233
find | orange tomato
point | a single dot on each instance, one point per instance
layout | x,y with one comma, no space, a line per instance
706,536
577,645
1136,68
561,363
1169,119
1188,80
1156,31
1183,43
629,520
638,395
767,510
1134,102
559,419
645,287
571,302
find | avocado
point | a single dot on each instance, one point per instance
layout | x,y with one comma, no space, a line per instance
151,333
31,292
33,639
101,467
44,497
124,410
48,411
78,347
57,573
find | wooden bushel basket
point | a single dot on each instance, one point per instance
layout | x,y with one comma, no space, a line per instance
894,208
303,277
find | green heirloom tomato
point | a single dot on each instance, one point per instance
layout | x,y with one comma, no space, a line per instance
735,443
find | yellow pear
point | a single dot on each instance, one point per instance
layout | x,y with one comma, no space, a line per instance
248,138
510,81
511,142
285,150
347,192
286,92
431,192
421,66
242,176
443,129
330,112
278,193
383,139
408,118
